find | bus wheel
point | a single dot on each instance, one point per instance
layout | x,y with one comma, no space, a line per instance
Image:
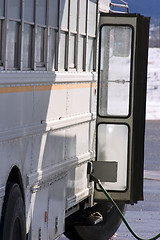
103,230
13,216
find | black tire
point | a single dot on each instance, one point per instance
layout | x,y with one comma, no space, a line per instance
13,215
102,231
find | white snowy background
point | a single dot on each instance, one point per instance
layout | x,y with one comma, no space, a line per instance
153,85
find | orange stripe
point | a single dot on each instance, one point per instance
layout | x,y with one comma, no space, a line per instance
94,85
16,89
79,85
51,87
64,86
46,87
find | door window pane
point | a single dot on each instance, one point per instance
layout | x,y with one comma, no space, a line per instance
13,37
27,46
115,64
113,146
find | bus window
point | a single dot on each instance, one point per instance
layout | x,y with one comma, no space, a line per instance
91,18
41,12
48,35
28,41
28,46
13,45
63,25
90,54
14,9
2,8
72,50
14,34
41,34
40,47
52,49
53,34
62,54
81,53
29,11
64,7
73,34
92,8
82,35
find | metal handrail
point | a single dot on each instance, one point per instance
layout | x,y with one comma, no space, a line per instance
123,4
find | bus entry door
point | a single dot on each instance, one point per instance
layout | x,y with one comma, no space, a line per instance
123,53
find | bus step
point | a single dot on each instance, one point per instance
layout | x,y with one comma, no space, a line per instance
86,218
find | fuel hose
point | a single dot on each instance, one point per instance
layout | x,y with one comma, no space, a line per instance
119,211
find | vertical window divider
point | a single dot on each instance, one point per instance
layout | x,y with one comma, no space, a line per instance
86,43
19,43
35,34
68,37
77,35
97,36
95,52
47,35
6,35
22,35
59,34
57,39
2,40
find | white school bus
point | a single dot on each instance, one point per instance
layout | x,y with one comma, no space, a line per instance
72,105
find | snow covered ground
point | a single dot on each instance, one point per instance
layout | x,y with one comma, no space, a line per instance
153,85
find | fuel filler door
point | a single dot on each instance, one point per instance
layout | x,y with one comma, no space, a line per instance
122,77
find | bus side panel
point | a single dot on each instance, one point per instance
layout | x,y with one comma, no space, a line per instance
16,107
48,210
77,140
78,101
50,104
77,185
56,208
48,134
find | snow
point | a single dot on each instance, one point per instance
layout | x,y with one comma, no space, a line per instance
153,85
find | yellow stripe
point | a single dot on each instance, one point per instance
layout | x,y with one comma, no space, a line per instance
16,89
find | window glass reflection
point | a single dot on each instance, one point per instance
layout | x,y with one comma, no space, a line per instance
113,146
115,65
